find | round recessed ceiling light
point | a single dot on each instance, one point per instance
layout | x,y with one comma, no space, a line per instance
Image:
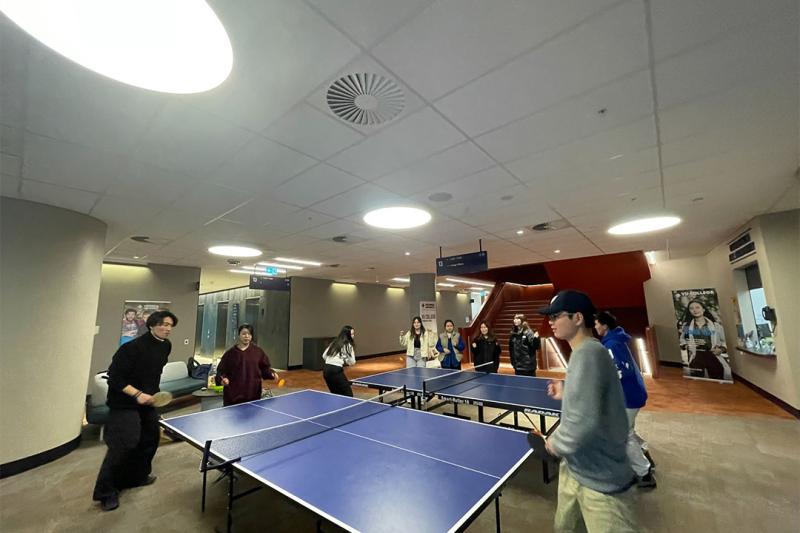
234,251
174,47
556,251
644,225
397,217
408,253
520,232
440,197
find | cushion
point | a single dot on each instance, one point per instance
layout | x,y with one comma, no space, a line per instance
174,370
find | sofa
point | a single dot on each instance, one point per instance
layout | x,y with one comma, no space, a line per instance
175,378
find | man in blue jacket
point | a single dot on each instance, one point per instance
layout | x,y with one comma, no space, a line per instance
615,340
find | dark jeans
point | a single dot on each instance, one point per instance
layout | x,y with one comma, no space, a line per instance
132,437
336,380
525,372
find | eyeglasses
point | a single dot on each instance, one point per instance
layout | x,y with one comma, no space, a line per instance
556,316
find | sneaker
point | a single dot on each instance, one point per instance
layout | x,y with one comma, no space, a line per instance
148,481
110,503
647,482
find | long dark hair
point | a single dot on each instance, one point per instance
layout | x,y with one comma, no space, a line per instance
687,315
489,333
523,326
421,327
344,338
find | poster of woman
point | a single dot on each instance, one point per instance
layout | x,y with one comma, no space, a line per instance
701,336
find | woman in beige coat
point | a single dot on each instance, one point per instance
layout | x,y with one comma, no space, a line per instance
419,344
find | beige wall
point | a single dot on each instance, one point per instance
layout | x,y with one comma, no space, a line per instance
175,284
50,261
776,237
667,276
321,307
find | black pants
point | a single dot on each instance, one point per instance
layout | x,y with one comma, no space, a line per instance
336,380
525,372
132,437
708,362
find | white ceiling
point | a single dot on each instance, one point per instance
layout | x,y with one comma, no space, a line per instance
503,103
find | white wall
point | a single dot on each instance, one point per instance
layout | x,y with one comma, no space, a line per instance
50,262
777,240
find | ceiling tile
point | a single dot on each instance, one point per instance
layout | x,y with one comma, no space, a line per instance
210,200
73,165
460,40
312,132
154,185
606,48
624,101
190,140
425,175
314,185
260,165
413,138
123,211
358,200
45,193
367,21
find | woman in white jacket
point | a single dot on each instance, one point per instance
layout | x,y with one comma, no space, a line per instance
419,344
339,354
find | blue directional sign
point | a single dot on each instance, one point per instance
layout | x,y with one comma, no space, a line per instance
271,271
462,264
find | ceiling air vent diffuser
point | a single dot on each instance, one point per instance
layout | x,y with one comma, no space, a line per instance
365,99
550,226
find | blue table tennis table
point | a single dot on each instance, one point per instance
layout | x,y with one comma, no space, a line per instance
511,393
362,465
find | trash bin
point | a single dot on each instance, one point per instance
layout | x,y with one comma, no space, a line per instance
312,352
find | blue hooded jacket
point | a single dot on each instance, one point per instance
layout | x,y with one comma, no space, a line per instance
616,342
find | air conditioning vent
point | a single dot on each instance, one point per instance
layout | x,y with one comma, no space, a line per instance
740,247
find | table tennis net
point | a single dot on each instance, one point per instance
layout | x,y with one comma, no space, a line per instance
439,383
263,440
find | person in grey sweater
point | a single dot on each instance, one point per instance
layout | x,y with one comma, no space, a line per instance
595,472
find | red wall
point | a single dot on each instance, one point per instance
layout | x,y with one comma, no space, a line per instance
613,281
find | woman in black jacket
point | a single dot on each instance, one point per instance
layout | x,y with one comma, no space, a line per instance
522,346
486,349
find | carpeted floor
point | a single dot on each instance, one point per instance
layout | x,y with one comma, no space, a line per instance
716,473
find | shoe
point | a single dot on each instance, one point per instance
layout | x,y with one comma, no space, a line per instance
110,503
148,481
647,455
647,482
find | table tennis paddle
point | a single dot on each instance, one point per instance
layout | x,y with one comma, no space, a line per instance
161,398
536,443
281,382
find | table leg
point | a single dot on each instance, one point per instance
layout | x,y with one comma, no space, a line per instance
497,511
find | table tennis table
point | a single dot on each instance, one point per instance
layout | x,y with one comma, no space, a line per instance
511,393
362,465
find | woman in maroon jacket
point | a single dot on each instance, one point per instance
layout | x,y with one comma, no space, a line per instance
242,369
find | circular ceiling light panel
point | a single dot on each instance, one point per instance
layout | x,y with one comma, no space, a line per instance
365,99
644,225
397,218
235,251
176,46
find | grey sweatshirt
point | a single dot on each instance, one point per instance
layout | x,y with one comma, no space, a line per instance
594,426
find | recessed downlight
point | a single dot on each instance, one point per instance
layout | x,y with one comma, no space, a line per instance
174,47
402,280
644,225
520,232
397,217
556,251
234,251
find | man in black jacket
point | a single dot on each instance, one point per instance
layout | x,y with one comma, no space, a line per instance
132,433
523,343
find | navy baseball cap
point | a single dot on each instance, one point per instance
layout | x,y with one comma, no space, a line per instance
571,302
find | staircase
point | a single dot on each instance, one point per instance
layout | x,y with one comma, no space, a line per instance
505,321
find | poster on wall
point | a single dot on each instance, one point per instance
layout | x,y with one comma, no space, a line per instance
427,312
134,318
701,337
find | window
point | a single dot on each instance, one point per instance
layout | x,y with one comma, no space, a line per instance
753,329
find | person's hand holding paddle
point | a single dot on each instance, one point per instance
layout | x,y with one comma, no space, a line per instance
555,389
474,345
144,399
226,381
547,446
